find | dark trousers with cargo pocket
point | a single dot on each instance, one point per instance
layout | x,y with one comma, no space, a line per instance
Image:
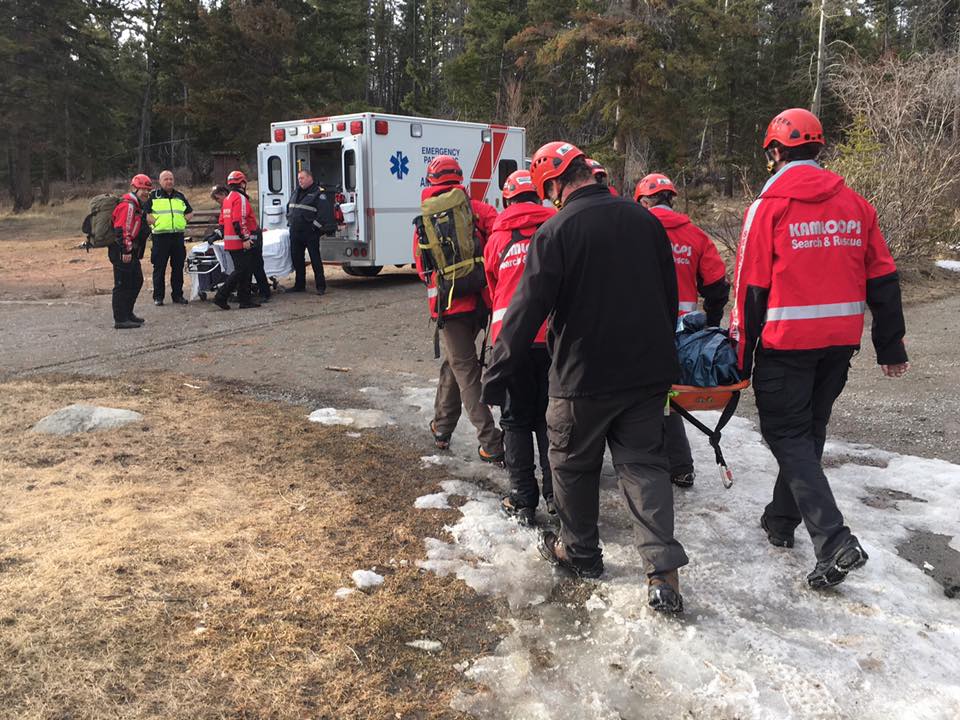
795,393
239,279
678,447
127,281
168,248
523,418
301,241
631,422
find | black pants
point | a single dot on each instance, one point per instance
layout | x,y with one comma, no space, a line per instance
239,279
263,283
631,422
795,393
678,447
168,247
310,242
127,281
525,416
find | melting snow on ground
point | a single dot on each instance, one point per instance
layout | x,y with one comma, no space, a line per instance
755,641
352,417
366,579
949,265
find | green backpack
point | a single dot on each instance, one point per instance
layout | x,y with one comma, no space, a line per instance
98,224
449,246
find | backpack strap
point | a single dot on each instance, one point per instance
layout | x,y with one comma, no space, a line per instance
516,237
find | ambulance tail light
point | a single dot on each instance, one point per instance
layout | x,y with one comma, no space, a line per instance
356,127
341,126
279,135
380,127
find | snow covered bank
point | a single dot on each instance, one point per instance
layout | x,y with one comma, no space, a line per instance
755,642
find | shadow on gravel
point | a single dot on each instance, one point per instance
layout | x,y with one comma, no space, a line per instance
932,553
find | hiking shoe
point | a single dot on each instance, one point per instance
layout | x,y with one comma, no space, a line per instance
181,301
526,516
490,457
684,480
221,303
776,539
125,325
551,505
321,291
663,592
158,302
138,320
441,440
296,288
553,551
248,305
833,570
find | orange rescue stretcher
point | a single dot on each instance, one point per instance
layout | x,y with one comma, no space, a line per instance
686,398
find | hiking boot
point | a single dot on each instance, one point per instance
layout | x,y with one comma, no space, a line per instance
833,570
553,551
265,298
321,291
158,302
684,480
490,457
297,288
221,303
181,301
248,305
526,516
551,505
125,325
137,320
441,440
776,539
663,592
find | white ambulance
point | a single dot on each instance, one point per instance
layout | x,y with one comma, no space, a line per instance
376,164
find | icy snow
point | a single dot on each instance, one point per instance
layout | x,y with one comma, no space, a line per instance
344,592
352,417
434,501
755,641
949,265
365,579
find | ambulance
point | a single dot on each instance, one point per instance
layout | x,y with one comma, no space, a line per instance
375,165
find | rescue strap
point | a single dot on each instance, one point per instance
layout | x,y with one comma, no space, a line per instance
714,435
486,334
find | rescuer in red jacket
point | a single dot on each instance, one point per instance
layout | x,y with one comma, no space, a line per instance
525,405
239,223
130,229
700,271
811,259
462,322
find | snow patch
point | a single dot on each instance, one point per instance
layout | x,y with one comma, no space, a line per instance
949,265
344,592
434,501
352,417
366,579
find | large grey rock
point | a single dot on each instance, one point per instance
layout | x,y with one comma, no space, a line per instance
85,418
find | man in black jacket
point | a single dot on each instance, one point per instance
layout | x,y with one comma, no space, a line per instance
309,215
602,269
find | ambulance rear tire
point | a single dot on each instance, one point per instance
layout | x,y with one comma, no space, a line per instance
362,270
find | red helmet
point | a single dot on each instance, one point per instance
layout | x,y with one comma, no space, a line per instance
236,177
793,127
597,168
518,183
141,182
550,162
651,185
444,169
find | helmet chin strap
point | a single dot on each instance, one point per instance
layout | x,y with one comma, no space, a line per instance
558,201
771,163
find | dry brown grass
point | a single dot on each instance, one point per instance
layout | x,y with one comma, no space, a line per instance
185,567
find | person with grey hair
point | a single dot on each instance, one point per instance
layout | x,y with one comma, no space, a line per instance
168,211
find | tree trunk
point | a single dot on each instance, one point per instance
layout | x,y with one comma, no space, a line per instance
821,60
18,158
146,107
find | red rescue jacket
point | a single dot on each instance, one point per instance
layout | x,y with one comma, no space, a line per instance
127,219
237,219
504,262
483,217
699,266
811,259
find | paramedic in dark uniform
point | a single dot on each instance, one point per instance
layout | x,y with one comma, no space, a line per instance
309,215
168,211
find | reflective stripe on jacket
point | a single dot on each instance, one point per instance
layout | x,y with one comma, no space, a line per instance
237,219
310,211
504,262
169,211
811,259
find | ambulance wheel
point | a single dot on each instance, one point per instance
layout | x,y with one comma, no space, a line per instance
362,270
